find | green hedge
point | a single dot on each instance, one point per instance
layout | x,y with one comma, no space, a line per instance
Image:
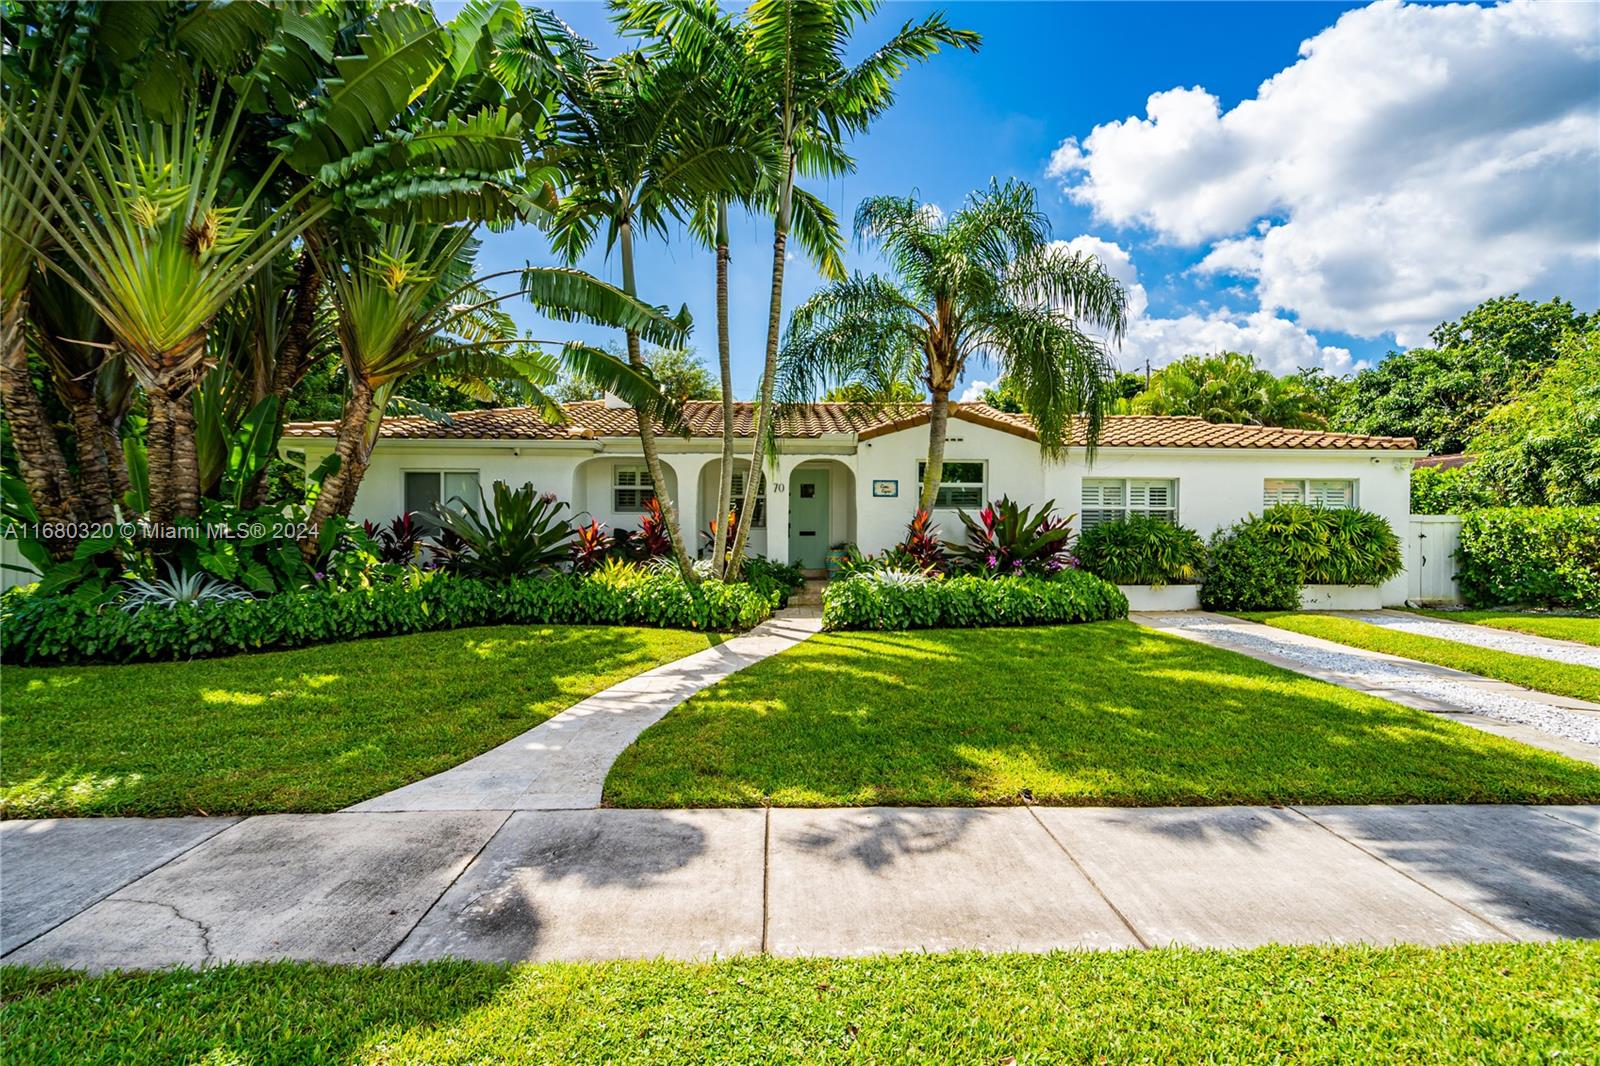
868,602
51,630
1247,570
1537,556
1141,551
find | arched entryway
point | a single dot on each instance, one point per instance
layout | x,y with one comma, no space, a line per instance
820,494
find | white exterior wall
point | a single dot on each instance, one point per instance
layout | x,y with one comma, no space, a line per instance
1216,487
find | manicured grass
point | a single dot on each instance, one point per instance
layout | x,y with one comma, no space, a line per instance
1481,1003
1105,713
1584,629
309,730
1545,675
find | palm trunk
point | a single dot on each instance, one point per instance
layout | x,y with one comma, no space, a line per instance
938,424
116,460
158,452
724,361
292,361
185,459
647,427
40,460
94,465
338,492
769,372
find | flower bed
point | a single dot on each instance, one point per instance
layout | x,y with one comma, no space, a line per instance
894,600
40,629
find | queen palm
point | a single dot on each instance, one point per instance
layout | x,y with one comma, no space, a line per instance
405,301
640,149
984,283
791,53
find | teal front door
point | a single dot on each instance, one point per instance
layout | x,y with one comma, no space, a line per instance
808,518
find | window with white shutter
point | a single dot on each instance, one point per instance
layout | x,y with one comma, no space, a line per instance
1333,493
760,519
631,489
962,485
1111,499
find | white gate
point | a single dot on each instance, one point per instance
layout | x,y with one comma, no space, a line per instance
1431,558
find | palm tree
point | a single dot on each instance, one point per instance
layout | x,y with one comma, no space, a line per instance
985,282
641,148
1230,387
157,242
405,300
794,57
699,33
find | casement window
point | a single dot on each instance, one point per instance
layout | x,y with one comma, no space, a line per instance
427,488
961,486
1333,493
631,489
760,519
1108,499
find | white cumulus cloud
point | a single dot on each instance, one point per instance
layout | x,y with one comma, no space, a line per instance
1414,161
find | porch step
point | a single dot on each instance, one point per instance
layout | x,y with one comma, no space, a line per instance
809,594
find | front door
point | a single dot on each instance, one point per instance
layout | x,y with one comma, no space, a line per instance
808,518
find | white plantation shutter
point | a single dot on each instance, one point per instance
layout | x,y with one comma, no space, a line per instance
632,489
1155,499
1337,494
1281,490
1110,499
760,520
1333,493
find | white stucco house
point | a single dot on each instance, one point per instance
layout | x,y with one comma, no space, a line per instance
848,476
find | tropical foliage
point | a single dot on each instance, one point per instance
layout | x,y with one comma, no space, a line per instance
519,534
1139,550
1006,538
1441,394
897,600
1230,387
1536,556
984,284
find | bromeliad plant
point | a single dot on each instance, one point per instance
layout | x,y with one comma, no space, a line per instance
521,534
180,588
1007,538
590,546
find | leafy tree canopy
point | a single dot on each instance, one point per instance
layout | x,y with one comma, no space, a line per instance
1230,387
1440,394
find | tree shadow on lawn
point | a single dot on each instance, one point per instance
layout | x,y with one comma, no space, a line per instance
303,730
1102,714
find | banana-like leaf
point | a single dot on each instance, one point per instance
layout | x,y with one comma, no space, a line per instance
251,448
633,385
401,55
569,295
137,457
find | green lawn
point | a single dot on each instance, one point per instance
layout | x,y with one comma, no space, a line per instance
1545,675
1106,713
1482,1003
1584,629
314,729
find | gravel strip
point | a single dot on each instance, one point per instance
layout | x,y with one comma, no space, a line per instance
1572,725
1483,637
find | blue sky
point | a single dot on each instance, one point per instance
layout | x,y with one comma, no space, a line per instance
1242,225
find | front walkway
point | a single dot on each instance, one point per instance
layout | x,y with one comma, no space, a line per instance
1561,651
561,764
1556,723
600,884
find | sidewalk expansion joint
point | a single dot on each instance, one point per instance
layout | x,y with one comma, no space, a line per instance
1123,918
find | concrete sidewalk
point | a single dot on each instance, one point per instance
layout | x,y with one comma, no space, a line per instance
561,764
1561,724
599,884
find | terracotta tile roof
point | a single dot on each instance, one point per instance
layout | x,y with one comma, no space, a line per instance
593,419
1444,462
